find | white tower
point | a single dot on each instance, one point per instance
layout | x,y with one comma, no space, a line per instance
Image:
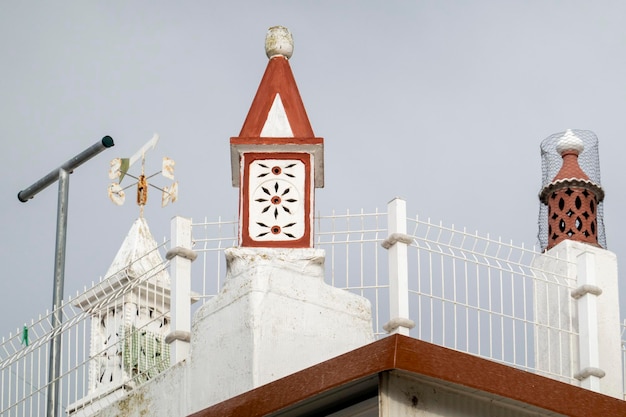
130,320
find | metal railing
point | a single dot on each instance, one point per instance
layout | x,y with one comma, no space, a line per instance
462,290
94,366
465,291
483,296
354,259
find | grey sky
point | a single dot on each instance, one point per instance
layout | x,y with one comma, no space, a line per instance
443,103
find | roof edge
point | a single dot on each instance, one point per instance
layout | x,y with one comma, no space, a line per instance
403,353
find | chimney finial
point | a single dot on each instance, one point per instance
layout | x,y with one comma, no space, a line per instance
570,142
278,42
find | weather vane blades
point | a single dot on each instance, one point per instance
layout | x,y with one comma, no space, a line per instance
119,170
168,168
170,194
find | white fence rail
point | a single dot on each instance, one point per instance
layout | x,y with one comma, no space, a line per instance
483,296
461,290
89,371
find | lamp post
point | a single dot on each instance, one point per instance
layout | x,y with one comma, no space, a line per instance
62,175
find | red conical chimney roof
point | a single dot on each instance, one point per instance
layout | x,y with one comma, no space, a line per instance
277,116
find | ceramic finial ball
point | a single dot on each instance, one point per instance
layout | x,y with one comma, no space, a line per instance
570,142
278,41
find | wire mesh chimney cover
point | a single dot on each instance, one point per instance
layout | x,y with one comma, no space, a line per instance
551,163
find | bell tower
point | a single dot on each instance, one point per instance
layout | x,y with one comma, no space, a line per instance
277,162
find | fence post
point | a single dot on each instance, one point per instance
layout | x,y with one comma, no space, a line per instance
589,349
180,255
396,245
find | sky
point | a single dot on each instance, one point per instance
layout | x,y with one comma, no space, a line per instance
442,103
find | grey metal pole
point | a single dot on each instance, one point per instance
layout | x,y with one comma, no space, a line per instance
54,364
62,175
69,166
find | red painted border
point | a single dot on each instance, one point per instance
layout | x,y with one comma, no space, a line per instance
306,241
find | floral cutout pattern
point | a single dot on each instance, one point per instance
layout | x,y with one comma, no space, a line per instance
276,207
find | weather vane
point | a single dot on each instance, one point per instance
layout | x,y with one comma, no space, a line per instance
119,170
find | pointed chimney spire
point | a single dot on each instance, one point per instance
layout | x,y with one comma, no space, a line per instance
571,197
135,295
277,162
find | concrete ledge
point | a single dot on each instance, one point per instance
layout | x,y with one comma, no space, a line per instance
586,289
589,371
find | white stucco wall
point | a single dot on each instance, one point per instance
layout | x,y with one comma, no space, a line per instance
274,316
552,307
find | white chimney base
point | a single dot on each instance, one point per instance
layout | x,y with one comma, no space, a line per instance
274,316
590,307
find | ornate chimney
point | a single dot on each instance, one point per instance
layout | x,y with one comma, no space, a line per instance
277,162
571,232
274,315
572,199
